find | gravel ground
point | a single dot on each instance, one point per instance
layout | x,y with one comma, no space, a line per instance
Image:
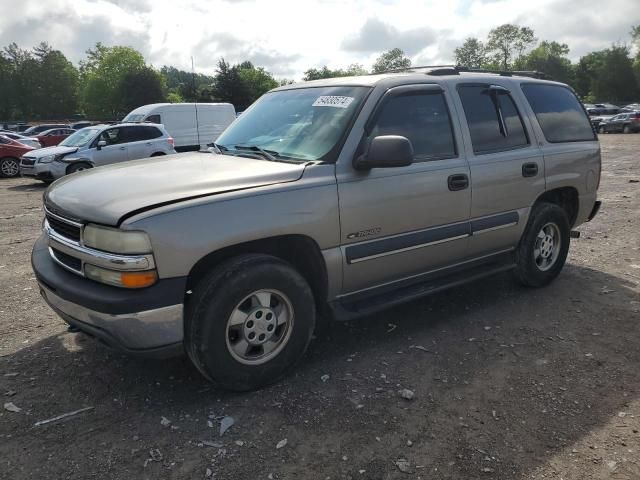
508,383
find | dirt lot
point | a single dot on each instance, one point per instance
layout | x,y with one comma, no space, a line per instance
509,383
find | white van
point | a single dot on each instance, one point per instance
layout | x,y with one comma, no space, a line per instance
192,125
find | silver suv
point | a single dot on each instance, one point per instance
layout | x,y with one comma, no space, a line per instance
338,197
96,146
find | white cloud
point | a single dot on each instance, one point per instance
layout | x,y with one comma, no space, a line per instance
289,36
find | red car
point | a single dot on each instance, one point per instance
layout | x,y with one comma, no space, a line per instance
51,138
10,153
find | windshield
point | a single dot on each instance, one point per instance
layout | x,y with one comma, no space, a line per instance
300,124
80,138
133,118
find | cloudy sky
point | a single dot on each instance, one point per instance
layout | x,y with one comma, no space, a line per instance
289,36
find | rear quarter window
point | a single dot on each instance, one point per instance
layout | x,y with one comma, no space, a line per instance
559,113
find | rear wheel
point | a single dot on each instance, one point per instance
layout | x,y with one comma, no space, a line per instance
158,154
9,167
249,322
626,129
602,130
543,247
78,167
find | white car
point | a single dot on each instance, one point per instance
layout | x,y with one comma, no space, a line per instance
97,146
29,141
192,125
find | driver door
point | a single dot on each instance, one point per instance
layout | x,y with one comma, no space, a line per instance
402,221
114,151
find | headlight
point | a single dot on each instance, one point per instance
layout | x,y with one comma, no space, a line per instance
115,240
121,279
47,159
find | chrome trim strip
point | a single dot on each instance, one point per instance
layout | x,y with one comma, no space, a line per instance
98,258
62,219
428,272
491,229
407,249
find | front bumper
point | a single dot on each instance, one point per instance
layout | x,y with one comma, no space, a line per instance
39,171
146,322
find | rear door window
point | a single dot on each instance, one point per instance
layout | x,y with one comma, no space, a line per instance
559,113
494,121
423,118
141,133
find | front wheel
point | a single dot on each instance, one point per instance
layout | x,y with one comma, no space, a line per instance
78,167
249,322
543,247
626,129
9,167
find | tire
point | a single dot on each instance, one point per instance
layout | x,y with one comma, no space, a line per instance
626,129
158,154
78,167
602,130
539,259
9,167
227,295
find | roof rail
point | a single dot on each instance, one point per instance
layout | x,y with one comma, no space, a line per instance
417,67
457,69
507,73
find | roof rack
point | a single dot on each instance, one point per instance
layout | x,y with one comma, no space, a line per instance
457,69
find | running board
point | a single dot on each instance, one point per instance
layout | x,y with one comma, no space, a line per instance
347,309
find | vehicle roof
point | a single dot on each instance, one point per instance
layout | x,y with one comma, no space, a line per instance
413,76
103,126
55,128
152,106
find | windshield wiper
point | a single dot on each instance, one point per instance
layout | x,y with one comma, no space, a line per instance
218,148
268,154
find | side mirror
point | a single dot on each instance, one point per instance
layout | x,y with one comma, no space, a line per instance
102,143
387,151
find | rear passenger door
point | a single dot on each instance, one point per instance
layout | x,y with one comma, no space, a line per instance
141,141
507,167
399,222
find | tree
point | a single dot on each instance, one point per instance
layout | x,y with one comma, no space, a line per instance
472,54
57,94
141,87
352,70
103,73
614,79
241,84
508,42
550,58
189,86
635,40
393,59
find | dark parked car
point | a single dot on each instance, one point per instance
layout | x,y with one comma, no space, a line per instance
38,129
603,109
622,123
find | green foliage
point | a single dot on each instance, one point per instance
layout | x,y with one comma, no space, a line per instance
508,42
241,84
141,87
318,73
472,53
393,59
189,86
103,74
174,97
550,58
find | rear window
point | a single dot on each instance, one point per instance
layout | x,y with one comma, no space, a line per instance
559,113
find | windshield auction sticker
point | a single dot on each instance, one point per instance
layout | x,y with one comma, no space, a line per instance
333,101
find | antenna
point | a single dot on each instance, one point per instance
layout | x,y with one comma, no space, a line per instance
195,100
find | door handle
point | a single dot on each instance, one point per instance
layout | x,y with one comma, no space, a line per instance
149,143
122,148
459,181
530,169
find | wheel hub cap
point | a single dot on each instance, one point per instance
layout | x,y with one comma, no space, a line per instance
547,246
259,327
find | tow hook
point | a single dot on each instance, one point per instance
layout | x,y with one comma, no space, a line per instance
574,234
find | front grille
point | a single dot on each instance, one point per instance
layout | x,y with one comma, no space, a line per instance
63,228
68,260
27,161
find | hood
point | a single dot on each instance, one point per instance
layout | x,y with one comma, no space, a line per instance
107,194
57,150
